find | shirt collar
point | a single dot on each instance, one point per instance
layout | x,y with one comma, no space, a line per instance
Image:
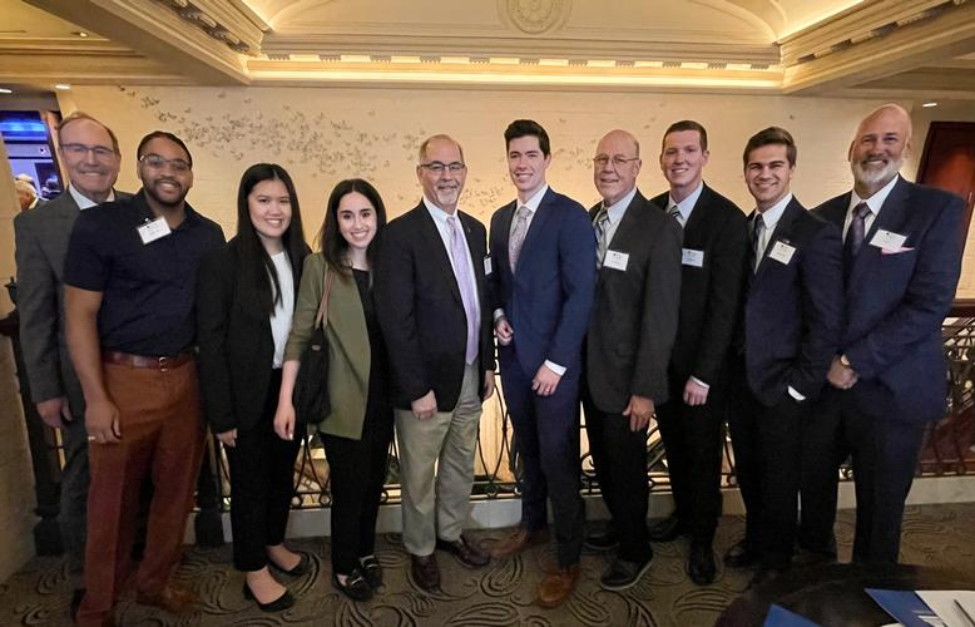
439,215
533,202
616,211
686,206
83,201
876,201
774,213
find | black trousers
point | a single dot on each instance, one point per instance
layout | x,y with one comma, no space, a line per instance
884,454
767,443
620,458
692,439
357,471
261,483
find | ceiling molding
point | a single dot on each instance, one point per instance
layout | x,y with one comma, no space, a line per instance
905,40
222,21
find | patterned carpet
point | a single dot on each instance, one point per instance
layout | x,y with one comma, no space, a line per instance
500,594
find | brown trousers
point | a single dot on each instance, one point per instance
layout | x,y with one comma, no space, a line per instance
162,433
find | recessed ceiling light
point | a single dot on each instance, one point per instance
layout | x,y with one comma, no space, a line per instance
79,33
929,105
62,86
4,90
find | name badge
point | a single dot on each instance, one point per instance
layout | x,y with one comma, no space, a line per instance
616,260
782,253
487,266
693,258
888,240
151,231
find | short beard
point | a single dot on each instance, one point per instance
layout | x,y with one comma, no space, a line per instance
874,179
166,203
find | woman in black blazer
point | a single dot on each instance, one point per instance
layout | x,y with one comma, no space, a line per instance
245,303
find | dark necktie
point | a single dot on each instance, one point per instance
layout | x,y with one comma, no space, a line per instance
855,236
602,231
755,239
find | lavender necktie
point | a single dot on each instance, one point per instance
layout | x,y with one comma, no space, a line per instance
518,236
462,272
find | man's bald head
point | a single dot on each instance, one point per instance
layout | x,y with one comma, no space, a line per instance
616,165
878,149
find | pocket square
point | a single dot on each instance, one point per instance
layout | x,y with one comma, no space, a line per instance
895,251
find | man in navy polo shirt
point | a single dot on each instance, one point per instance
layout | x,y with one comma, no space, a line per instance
130,279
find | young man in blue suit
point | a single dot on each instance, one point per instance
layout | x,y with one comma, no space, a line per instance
543,257
788,332
901,262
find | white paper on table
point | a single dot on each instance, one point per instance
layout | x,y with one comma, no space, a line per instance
942,603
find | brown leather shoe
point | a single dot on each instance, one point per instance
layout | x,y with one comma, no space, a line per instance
425,571
174,598
517,541
466,552
556,588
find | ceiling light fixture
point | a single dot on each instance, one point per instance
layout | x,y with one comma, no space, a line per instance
929,105
4,90
62,87
79,33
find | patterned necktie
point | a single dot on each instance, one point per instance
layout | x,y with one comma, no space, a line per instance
518,236
462,272
602,235
675,213
855,236
758,245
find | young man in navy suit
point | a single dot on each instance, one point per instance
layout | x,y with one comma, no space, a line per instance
788,332
543,256
901,262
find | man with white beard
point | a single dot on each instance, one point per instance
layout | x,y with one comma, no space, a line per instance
901,262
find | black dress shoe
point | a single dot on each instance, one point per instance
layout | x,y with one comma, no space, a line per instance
741,555
371,571
667,530
623,574
700,564
425,571
279,604
466,552
299,569
601,541
355,586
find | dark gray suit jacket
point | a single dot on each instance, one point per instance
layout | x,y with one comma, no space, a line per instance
42,236
635,312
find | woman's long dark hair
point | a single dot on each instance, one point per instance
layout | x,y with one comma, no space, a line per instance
334,246
256,265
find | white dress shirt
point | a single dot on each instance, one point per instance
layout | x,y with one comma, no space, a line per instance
875,203
284,311
686,206
84,202
440,219
616,212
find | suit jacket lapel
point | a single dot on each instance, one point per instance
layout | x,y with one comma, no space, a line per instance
432,235
700,208
783,230
504,225
891,218
537,226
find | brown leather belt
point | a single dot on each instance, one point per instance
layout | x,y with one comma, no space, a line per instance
140,361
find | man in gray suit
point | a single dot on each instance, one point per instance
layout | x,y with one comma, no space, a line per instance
90,153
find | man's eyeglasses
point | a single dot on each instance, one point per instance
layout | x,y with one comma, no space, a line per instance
155,162
80,151
438,168
618,161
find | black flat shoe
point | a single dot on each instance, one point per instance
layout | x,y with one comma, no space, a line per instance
279,604
355,586
371,571
301,568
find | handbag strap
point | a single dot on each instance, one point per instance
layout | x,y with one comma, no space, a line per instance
321,318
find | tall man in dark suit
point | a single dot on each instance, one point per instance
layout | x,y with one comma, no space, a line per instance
543,253
631,335
715,240
901,262
435,315
90,153
789,330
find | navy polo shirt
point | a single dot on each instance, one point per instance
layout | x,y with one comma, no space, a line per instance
148,290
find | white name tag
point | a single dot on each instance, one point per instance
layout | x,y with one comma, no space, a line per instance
887,240
151,231
487,266
691,257
782,252
616,260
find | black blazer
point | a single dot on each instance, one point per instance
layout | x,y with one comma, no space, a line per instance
710,293
793,312
896,301
236,345
421,312
635,312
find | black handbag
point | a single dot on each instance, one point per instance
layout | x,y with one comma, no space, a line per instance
310,395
